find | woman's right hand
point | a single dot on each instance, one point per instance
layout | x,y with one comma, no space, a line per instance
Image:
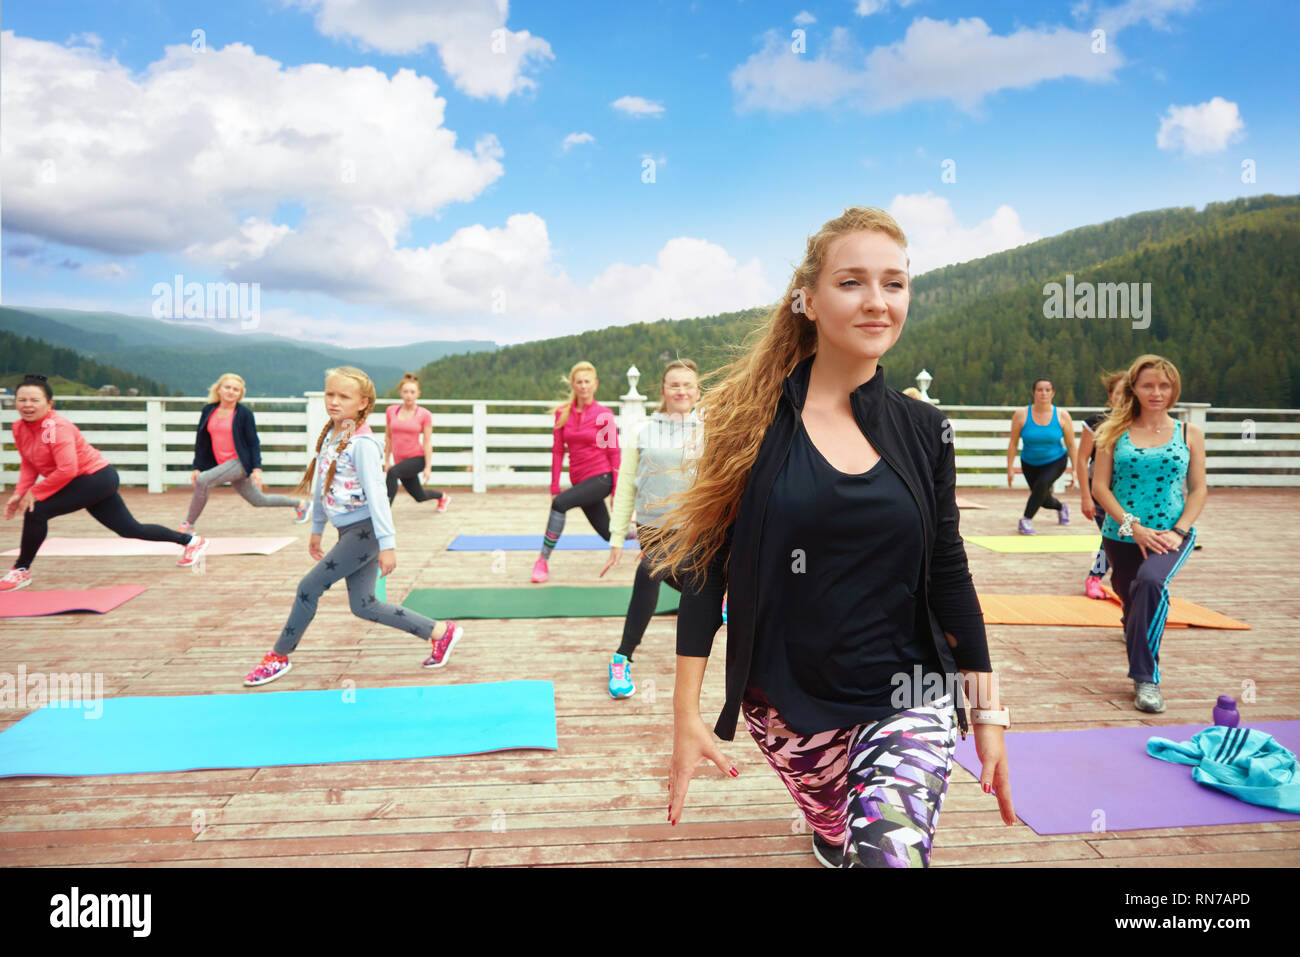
615,556
1086,506
555,490
194,477
693,742
1149,540
314,549
1011,477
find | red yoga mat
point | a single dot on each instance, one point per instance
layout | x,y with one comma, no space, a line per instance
32,604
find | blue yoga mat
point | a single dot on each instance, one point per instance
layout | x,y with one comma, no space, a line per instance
265,729
527,543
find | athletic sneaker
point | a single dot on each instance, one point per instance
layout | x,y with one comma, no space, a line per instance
1147,697
197,546
1064,517
16,578
540,571
272,667
1092,588
620,677
186,528
827,854
442,647
443,503
302,512
1026,527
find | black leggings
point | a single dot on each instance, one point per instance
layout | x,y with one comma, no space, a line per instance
645,591
589,495
1040,479
97,494
408,472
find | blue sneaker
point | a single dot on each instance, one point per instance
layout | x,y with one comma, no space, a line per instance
1064,517
1026,527
620,677
302,512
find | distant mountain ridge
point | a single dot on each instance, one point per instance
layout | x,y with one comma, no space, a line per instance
188,357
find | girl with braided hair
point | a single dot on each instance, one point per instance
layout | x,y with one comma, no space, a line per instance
347,482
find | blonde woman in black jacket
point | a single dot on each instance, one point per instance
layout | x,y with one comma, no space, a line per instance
825,505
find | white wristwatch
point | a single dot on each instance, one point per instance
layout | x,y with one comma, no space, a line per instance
1000,717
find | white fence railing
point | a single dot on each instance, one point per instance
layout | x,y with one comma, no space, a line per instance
497,443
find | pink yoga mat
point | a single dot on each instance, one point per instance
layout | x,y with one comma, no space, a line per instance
31,604
1060,780
99,547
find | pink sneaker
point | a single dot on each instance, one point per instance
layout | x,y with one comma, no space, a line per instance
442,647
1093,588
272,667
540,571
16,578
197,546
443,503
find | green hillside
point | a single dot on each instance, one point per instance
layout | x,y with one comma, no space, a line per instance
1225,301
68,371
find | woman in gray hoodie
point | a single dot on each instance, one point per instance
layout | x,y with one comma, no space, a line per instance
657,466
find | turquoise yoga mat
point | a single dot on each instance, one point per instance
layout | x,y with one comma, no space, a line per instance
259,729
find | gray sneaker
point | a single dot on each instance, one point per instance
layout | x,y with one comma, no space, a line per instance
1147,697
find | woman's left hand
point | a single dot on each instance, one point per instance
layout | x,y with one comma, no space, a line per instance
16,504
1172,539
387,562
995,775
424,476
256,478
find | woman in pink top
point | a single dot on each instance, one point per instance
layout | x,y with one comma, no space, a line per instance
408,441
588,431
73,475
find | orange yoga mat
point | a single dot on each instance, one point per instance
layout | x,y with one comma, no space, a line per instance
1082,610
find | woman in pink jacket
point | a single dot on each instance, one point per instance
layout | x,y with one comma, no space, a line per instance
588,431
73,475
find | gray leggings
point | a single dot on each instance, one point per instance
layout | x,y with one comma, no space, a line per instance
232,472
356,557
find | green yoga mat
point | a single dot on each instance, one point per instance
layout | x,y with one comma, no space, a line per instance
539,601
1037,543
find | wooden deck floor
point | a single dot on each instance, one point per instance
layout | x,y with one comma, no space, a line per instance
600,799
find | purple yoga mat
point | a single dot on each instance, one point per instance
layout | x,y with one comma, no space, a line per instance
1061,779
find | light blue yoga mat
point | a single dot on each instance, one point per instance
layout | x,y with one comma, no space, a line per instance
259,729
528,543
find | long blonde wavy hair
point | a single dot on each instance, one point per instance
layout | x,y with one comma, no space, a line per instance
1129,408
567,406
739,410
214,395
367,390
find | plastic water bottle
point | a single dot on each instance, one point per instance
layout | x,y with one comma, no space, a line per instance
1225,712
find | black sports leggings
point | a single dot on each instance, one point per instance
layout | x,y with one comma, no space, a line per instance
589,495
97,494
408,472
1040,479
645,591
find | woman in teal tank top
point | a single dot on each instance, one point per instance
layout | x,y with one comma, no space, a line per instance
1048,436
1144,459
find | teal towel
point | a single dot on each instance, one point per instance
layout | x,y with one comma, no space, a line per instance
1247,764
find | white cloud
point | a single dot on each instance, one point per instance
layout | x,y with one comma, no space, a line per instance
963,62
803,18
935,238
866,8
1153,12
577,139
637,106
1205,128
479,53
196,153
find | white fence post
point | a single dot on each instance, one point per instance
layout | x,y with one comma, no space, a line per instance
631,410
478,448
156,461
316,419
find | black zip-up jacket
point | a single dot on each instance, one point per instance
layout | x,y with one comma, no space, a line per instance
243,429
915,440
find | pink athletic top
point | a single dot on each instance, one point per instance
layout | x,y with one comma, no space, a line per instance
55,450
223,442
408,434
591,437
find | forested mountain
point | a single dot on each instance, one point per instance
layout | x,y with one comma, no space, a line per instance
1224,301
20,355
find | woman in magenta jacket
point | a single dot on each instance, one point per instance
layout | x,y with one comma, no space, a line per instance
588,431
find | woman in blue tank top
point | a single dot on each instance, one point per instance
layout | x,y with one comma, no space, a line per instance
1144,458
1048,436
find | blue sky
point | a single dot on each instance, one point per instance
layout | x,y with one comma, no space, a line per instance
384,174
